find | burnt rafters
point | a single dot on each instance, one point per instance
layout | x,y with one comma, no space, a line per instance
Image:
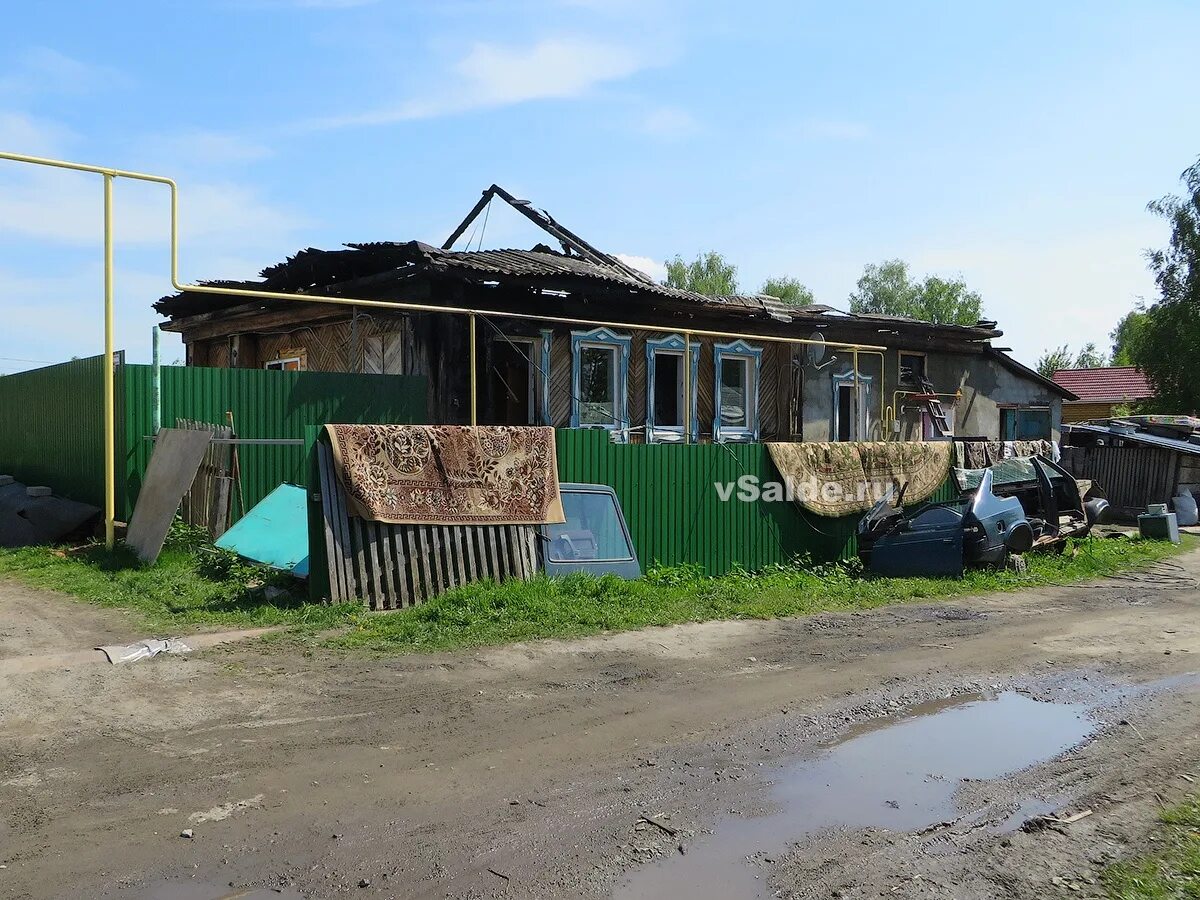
570,241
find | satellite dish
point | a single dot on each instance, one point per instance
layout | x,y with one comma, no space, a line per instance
815,350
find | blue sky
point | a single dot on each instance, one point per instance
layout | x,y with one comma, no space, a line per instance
1013,144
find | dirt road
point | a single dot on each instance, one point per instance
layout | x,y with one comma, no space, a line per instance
891,753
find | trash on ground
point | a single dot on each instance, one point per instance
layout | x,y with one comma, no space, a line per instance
33,515
127,653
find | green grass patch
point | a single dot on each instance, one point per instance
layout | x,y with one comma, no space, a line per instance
488,613
192,586
187,587
1171,874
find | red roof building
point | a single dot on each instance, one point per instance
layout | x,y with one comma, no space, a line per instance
1100,389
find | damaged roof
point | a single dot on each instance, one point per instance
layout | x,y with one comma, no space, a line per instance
579,268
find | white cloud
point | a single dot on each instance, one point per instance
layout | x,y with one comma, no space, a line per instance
199,147
20,133
491,75
669,122
42,70
652,267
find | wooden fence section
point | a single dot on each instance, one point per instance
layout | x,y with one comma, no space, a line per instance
1130,476
393,566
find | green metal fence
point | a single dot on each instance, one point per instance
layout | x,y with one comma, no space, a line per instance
265,404
676,516
52,428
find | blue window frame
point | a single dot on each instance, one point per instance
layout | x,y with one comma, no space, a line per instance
737,366
600,381
544,374
664,389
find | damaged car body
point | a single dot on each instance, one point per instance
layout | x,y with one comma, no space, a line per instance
1019,504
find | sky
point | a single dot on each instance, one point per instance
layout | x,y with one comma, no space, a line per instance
1014,145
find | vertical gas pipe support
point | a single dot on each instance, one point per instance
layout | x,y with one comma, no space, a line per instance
155,380
110,438
474,374
857,403
687,388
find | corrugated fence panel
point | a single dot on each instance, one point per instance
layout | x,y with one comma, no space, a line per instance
52,428
1131,476
265,403
676,514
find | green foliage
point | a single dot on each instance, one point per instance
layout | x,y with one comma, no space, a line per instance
709,273
790,290
887,289
185,537
489,613
176,592
1054,360
1167,344
1088,357
1171,874
204,588
1126,335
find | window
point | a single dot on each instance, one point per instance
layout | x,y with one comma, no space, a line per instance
1030,424
592,531
599,374
665,405
289,359
912,368
736,391
851,402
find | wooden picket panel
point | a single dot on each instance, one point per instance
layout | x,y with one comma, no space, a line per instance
394,566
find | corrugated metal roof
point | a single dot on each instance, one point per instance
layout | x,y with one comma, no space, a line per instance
1137,437
1111,384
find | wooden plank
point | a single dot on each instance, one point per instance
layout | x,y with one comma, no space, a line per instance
507,569
431,589
459,567
333,553
342,526
435,551
386,559
488,538
414,575
404,589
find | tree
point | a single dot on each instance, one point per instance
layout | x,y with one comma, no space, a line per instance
1089,357
1053,360
1126,335
887,289
710,273
789,290
1166,346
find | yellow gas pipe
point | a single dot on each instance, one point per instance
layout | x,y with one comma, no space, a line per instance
110,174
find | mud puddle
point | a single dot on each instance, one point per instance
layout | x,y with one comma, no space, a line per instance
901,775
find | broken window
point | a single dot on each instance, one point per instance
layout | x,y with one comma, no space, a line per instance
912,368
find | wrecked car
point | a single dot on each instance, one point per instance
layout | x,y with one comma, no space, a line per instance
1017,505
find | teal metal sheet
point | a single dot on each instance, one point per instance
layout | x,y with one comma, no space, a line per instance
275,532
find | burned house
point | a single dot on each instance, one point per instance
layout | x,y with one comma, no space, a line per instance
570,336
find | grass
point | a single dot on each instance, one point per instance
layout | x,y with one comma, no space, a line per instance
1171,874
192,587
580,605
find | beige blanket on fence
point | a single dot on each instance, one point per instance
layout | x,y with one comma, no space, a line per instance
448,474
840,478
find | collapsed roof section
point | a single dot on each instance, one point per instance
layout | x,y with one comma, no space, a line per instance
368,270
